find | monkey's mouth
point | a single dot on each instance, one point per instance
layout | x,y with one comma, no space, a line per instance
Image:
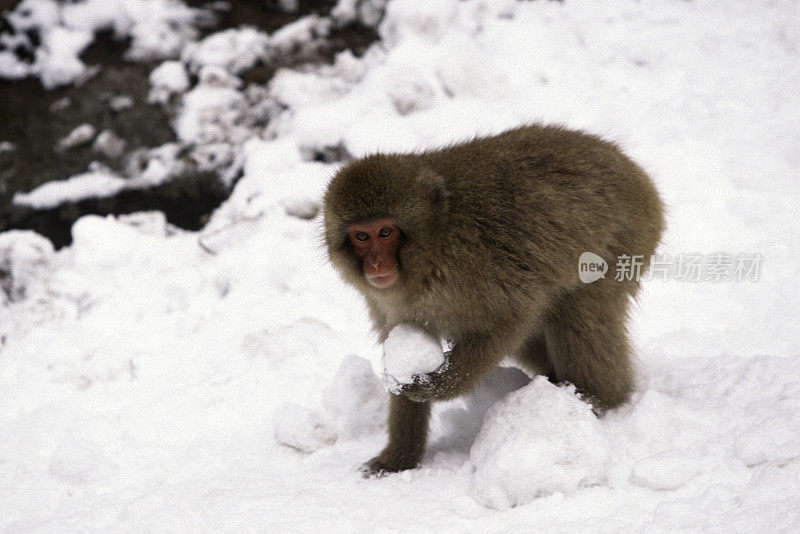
384,281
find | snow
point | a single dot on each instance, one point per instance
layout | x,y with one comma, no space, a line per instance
100,183
121,103
234,50
158,29
300,32
355,399
11,68
154,379
7,146
109,144
24,256
368,12
289,6
57,59
354,406
81,135
209,113
539,440
168,78
408,352
664,471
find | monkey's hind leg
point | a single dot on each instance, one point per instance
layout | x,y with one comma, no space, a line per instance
408,433
587,342
533,356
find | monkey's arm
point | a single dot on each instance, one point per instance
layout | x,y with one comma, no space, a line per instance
471,358
408,432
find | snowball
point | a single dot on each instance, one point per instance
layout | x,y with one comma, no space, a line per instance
409,351
539,440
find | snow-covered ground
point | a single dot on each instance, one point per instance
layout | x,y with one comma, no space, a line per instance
156,379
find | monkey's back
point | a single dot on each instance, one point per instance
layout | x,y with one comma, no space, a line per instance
531,200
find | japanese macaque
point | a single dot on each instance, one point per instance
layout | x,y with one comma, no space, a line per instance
478,244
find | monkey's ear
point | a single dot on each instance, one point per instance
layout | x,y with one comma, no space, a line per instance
438,194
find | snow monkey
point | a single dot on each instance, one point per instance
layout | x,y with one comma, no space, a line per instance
479,244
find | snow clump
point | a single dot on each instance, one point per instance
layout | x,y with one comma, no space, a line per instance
25,258
97,183
539,440
409,351
354,407
167,79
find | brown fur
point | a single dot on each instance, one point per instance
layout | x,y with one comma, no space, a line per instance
492,230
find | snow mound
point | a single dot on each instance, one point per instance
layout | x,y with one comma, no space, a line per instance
354,406
462,423
302,428
539,440
409,351
136,370
355,400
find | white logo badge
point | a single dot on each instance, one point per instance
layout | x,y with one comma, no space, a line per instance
591,267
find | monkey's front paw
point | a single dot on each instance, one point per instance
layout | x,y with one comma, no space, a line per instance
424,388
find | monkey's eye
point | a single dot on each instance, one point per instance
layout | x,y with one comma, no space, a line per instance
385,232
361,236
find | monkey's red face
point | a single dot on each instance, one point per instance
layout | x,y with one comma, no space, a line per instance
376,243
